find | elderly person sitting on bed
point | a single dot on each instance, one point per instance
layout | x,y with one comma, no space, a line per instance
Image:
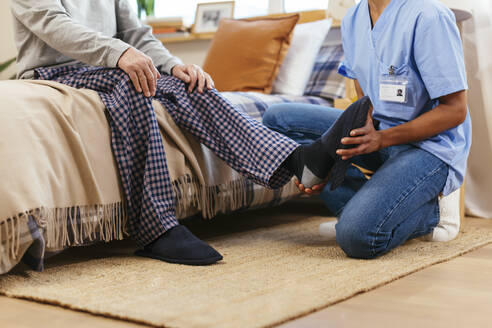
101,45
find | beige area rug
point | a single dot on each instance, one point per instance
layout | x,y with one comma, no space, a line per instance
276,268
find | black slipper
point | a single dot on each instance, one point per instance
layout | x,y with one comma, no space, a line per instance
179,245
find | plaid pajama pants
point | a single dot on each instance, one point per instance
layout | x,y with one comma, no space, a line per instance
243,143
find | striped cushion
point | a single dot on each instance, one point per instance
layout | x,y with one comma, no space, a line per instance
325,81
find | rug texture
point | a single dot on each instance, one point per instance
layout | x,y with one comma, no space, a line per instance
275,268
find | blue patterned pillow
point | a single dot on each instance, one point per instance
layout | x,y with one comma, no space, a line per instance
325,81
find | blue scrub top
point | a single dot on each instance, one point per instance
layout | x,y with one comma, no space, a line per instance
420,40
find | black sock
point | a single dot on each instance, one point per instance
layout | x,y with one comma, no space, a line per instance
311,163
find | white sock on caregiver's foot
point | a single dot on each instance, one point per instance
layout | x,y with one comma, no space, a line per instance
449,225
327,230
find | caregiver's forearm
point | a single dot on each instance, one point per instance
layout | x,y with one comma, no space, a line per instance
450,113
358,90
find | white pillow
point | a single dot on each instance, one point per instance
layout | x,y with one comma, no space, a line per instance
298,64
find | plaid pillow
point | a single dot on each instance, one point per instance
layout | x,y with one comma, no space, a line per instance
325,81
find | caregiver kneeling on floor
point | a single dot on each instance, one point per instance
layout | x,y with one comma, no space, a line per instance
407,57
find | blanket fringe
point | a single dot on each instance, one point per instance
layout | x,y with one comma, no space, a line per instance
10,238
64,227
78,225
82,224
210,200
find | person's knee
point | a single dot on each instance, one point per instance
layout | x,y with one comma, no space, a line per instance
274,116
355,240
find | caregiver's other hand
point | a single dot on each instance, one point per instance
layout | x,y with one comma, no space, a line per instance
194,75
141,70
367,138
314,190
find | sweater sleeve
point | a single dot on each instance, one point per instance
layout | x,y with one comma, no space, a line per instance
132,31
50,22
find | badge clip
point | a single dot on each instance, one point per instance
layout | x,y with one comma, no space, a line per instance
393,88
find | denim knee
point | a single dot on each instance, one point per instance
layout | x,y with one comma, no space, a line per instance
359,241
336,199
272,117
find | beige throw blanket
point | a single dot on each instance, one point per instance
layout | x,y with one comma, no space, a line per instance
56,164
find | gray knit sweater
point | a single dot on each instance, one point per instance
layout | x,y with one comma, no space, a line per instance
94,32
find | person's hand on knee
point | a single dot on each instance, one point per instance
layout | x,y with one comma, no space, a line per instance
141,70
194,76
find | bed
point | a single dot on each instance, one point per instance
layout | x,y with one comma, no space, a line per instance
60,187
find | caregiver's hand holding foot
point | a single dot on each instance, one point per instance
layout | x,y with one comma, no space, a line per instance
367,139
314,190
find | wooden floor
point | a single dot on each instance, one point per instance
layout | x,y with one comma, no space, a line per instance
457,293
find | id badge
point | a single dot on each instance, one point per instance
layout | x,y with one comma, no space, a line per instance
393,88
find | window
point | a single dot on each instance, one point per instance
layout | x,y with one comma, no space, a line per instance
250,8
173,8
243,8
187,9
296,5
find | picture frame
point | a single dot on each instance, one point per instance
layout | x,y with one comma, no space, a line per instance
209,14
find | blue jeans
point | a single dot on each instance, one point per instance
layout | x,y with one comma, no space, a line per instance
398,203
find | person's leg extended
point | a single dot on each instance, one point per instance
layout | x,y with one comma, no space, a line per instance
398,203
306,123
265,156
243,143
141,159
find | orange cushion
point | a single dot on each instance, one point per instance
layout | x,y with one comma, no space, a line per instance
245,55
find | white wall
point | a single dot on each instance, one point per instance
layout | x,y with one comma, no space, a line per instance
7,46
193,52
478,52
